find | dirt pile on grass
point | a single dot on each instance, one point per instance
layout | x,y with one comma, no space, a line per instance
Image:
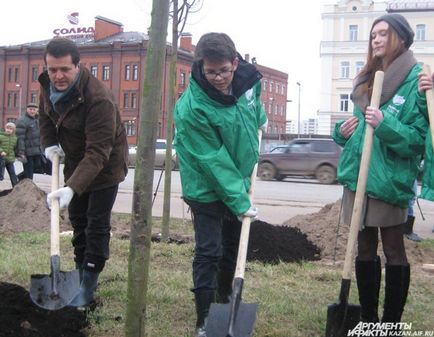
323,230
20,317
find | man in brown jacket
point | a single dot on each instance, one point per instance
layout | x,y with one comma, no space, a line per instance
80,121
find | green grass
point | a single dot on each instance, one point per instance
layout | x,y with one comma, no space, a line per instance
292,298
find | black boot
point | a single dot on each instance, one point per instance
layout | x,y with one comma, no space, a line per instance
203,300
397,283
408,230
368,276
87,289
224,285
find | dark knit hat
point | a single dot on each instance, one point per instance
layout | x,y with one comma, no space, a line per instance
32,105
400,25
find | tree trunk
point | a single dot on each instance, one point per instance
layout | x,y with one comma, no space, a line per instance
141,219
165,224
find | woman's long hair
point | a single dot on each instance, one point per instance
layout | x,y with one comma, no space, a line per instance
394,48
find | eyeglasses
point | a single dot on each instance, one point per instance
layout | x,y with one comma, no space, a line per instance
211,75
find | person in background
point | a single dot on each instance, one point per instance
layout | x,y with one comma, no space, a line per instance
29,143
81,123
8,144
217,121
408,225
400,128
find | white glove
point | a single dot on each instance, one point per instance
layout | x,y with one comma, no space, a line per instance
264,126
51,150
252,212
64,195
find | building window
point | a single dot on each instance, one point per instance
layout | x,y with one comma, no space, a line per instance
271,86
14,74
127,72
34,73
10,99
11,120
345,69
34,97
135,72
105,73
17,74
270,108
359,66
16,99
130,128
283,90
182,79
276,107
265,83
343,103
126,100
353,32
277,88
94,70
134,100
420,32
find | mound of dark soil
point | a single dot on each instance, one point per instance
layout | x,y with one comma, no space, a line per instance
20,317
271,244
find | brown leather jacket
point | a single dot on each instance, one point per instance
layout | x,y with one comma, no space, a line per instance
90,131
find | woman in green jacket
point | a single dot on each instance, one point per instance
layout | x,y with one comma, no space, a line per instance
399,135
217,121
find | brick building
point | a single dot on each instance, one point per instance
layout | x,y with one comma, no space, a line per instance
117,58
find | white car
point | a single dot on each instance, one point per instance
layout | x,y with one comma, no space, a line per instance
160,155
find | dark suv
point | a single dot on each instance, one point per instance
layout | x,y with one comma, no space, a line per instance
307,157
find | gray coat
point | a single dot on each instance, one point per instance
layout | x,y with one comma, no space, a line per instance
29,142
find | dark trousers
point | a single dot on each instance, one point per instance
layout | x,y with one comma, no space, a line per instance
217,235
11,171
32,163
90,216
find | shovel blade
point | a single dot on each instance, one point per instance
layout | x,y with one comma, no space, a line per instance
341,317
53,293
219,316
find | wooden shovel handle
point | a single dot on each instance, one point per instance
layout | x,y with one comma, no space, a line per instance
54,240
356,216
245,225
430,103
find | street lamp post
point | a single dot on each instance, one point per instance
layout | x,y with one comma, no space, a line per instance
19,98
299,95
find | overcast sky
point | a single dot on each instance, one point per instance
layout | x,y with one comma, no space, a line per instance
281,34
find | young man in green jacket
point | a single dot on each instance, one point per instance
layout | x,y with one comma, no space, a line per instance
217,121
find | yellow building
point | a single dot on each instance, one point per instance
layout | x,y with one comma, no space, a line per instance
346,28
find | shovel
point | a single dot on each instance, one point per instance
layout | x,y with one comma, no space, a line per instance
342,316
54,291
236,319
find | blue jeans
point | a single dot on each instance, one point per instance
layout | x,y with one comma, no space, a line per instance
90,215
11,171
217,236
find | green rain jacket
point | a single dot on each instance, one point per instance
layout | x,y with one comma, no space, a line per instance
217,138
8,144
397,146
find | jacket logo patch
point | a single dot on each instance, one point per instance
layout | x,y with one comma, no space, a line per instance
249,96
398,100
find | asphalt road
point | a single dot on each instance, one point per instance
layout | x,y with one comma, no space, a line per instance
277,201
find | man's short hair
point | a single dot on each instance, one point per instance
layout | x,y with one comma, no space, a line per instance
215,47
60,47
